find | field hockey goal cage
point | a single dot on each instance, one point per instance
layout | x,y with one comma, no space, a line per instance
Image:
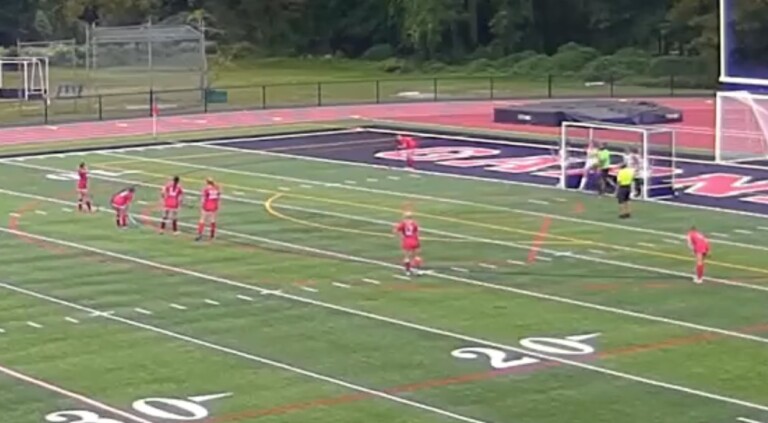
24,78
655,148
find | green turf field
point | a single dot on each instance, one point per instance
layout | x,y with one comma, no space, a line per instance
531,312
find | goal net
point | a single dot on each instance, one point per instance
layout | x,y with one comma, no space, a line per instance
741,126
651,151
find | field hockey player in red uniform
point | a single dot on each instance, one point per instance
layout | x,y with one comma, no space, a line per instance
83,197
211,197
407,144
408,230
121,203
172,195
699,245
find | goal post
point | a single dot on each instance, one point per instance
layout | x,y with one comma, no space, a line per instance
651,151
741,126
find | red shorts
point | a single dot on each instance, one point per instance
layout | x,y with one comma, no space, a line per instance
171,205
119,207
210,208
82,188
702,253
410,244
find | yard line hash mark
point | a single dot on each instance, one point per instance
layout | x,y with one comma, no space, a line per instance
142,311
309,289
72,320
177,306
35,325
340,285
244,297
743,231
371,281
212,302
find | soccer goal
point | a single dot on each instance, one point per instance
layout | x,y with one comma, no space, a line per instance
741,126
24,78
651,151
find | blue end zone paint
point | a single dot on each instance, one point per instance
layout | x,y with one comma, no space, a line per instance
725,187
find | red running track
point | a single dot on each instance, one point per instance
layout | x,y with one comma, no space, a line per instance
697,131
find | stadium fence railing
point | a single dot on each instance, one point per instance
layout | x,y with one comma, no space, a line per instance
123,105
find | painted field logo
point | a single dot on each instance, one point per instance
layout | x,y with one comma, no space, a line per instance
167,409
500,359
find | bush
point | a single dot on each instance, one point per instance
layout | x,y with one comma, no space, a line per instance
632,52
678,66
614,67
481,66
434,67
573,57
486,52
395,65
537,65
510,61
379,52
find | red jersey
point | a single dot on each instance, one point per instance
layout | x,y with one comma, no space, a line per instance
122,198
408,229
211,198
82,178
172,194
406,142
698,242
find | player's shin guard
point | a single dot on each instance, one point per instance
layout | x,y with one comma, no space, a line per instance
89,206
407,265
200,228
213,230
79,205
124,220
175,224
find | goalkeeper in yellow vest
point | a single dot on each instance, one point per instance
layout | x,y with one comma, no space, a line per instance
604,162
624,179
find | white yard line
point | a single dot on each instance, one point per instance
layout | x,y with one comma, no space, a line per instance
746,420
394,321
241,354
82,399
341,285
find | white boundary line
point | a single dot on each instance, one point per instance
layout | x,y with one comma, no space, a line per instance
72,395
296,298
241,354
17,162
